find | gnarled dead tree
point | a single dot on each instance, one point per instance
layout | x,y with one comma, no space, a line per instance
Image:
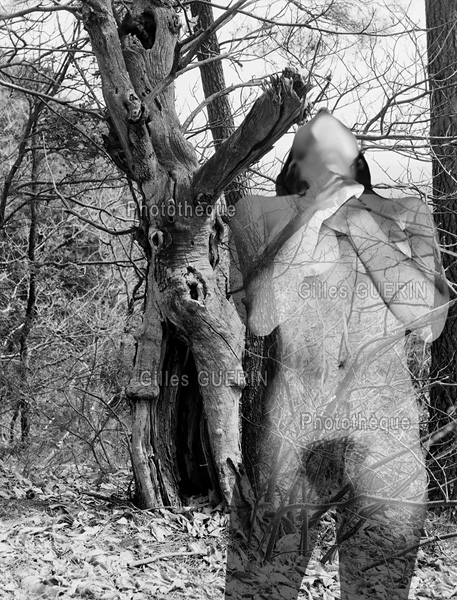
188,376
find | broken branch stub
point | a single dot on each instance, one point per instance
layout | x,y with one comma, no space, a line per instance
268,120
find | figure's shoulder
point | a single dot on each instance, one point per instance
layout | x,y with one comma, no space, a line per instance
404,209
413,204
416,215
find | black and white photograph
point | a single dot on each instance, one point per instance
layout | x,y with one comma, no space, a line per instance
228,277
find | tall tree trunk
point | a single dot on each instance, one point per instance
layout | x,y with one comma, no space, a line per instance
442,58
191,342
29,141
220,116
26,390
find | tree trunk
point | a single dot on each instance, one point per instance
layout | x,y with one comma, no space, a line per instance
442,55
213,81
259,351
188,377
26,390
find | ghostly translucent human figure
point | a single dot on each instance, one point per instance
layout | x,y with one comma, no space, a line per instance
339,273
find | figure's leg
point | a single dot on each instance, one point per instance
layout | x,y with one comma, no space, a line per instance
261,556
265,550
374,538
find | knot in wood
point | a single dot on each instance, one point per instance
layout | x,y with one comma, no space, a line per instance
135,108
196,285
157,240
174,23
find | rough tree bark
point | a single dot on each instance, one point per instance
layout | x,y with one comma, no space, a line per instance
259,351
190,329
442,56
23,403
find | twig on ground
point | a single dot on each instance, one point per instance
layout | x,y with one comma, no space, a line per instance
435,538
146,561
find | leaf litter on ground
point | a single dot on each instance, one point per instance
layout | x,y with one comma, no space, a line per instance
59,541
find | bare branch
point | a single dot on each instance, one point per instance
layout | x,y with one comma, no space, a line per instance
218,23
75,214
408,549
270,117
227,90
38,8
42,96
307,25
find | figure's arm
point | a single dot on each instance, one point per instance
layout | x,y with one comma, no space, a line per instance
264,229
265,224
395,241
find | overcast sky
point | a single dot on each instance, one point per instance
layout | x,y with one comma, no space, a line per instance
348,66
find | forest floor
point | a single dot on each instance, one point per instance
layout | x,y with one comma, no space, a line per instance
61,537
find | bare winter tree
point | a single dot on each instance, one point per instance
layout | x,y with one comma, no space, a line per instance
190,327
